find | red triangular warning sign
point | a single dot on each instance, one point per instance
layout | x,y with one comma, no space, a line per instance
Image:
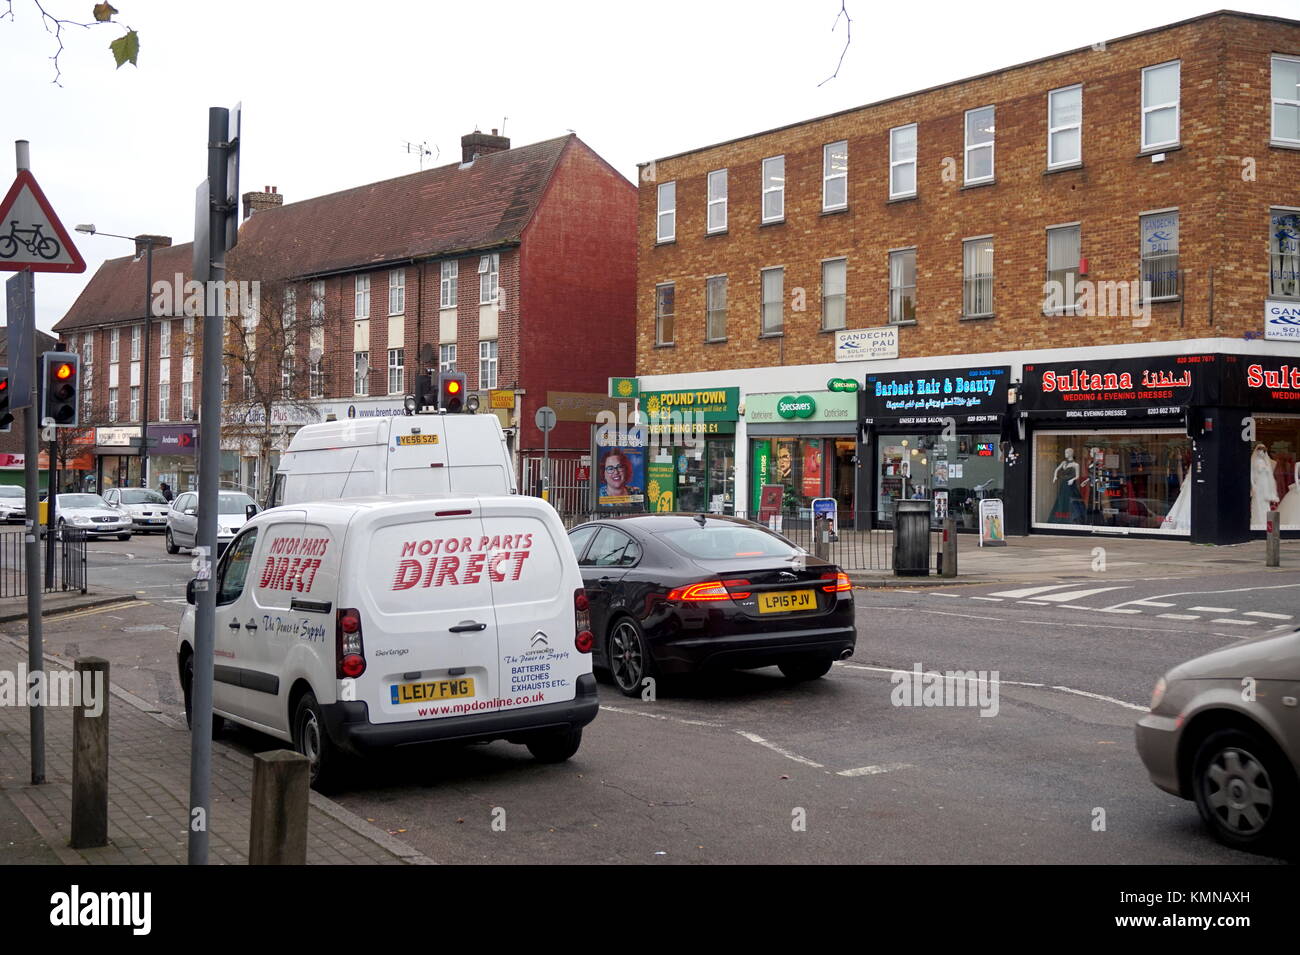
32,239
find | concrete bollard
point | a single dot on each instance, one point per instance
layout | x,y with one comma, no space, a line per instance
278,834
1273,540
949,547
90,756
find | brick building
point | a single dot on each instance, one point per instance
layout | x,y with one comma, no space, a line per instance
494,266
1068,285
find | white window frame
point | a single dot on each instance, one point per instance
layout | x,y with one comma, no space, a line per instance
489,277
164,401
716,202
1052,162
712,309
187,400
133,403
88,348
660,314
137,336
778,190
360,380
317,307
1070,308
447,357
973,147
828,176
114,345
896,316
361,297
112,405
1295,282
397,292
187,329
316,379
487,364
666,212
843,296
164,338
396,371
1149,108
1143,257
763,326
1276,101
967,279
895,162
450,274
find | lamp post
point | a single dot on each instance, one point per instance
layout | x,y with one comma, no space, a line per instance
148,240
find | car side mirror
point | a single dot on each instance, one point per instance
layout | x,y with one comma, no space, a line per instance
250,511
190,511
189,591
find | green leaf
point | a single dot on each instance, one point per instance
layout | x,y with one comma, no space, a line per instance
126,48
103,12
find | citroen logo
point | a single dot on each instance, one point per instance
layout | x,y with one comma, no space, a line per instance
539,640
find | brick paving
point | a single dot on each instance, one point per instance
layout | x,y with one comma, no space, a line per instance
149,756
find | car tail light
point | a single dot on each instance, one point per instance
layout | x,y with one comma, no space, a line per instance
582,622
839,583
709,590
350,652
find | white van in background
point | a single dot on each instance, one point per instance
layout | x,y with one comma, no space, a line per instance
343,626
422,454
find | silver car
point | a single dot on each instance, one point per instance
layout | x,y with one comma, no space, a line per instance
183,519
13,504
1224,730
91,514
147,509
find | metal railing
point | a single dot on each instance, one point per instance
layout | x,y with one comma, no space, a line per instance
69,562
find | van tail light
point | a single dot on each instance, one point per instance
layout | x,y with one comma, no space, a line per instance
349,651
582,622
709,590
839,583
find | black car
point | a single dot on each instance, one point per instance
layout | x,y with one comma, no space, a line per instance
674,593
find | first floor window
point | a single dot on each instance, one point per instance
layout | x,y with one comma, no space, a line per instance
248,384
135,403
902,286
187,400
87,389
487,365
112,404
396,371
447,357
316,378
773,301
977,262
716,307
361,373
165,402
834,288
665,304
1160,255
1284,253
225,383
1063,268
286,373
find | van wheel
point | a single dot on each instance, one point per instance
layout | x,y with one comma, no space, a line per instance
171,544
311,739
187,690
555,746
629,662
1244,790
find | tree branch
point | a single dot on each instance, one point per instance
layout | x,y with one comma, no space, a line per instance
848,38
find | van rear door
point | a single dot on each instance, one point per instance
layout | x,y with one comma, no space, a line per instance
421,586
417,456
533,579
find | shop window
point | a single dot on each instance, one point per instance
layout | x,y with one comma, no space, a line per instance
1275,471
716,305
954,475
834,287
797,464
1284,253
1160,256
1120,479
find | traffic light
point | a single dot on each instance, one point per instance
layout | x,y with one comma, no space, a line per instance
59,377
424,393
451,391
6,417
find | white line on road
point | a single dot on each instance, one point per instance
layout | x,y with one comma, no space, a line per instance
1034,686
755,738
1077,594
874,770
1076,607
1180,616
1268,616
1150,603
1044,623
935,593
658,716
1033,603
1028,591
1235,623
1117,610
1215,609
1193,593
994,599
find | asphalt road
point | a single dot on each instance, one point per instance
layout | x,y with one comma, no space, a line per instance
748,767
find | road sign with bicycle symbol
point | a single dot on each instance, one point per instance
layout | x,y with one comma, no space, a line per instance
31,236
34,240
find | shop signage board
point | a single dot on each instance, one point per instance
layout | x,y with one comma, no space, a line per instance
116,437
1262,382
928,397
992,523
715,404
578,405
867,344
760,459
1282,320
661,486
769,505
797,407
173,439
503,398
1120,388
826,509
624,387
842,384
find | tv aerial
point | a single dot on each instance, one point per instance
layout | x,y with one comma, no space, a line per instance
422,150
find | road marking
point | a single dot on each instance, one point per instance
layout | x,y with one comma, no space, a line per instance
935,593
1076,607
874,770
994,599
1150,603
1180,616
1215,609
1235,623
755,738
72,614
1028,591
1044,623
1077,594
1035,686
1192,593
1268,616
658,716
1033,603
1117,610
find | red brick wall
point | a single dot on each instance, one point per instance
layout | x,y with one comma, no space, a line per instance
578,276
1225,104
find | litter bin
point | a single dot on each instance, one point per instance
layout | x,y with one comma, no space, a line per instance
912,539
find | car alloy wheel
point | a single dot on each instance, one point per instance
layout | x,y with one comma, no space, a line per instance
1242,789
628,661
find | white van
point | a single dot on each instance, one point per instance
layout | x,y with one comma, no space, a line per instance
422,454
343,626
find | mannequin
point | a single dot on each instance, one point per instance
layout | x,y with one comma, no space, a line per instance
1263,485
1290,506
1179,517
1069,503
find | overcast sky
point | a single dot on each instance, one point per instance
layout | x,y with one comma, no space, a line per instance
332,91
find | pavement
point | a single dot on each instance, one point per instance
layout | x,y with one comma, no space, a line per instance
148,800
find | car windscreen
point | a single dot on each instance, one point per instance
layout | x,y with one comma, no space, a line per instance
726,541
142,496
80,500
9,490
233,503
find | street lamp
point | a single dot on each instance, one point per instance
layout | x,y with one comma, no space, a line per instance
89,229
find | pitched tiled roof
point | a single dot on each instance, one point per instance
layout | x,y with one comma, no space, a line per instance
435,212
116,291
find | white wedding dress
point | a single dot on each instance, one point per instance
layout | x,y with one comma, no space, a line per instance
1289,509
1263,487
1179,517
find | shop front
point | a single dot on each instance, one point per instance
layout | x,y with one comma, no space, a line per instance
173,456
1268,388
117,453
806,442
691,449
937,436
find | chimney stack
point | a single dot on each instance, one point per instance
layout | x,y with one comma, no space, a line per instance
477,144
268,198
142,243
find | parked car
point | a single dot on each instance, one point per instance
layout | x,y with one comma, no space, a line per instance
90,513
183,519
13,504
1224,731
1143,512
673,593
146,508
352,625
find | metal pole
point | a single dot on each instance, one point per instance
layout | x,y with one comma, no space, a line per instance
148,336
209,476
546,465
31,544
51,505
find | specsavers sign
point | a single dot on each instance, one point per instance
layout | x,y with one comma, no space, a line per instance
797,407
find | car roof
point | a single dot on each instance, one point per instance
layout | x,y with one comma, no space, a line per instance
676,520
